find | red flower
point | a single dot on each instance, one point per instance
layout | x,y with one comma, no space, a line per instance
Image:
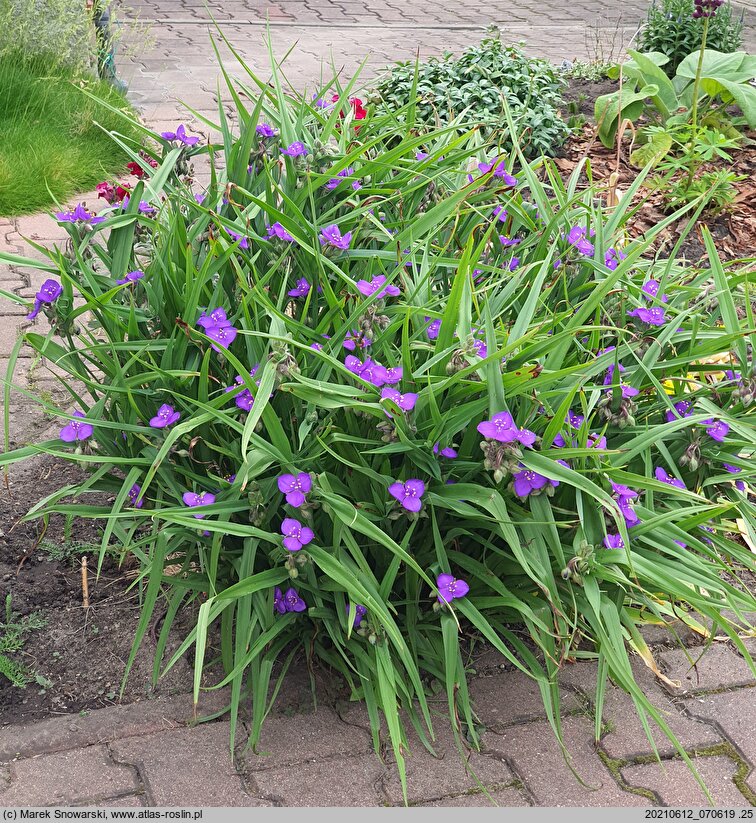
121,192
360,113
135,169
106,191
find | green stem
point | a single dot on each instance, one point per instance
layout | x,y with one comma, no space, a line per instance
694,111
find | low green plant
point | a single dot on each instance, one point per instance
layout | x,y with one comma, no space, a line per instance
594,71
470,91
55,138
720,81
13,633
671,29
373,392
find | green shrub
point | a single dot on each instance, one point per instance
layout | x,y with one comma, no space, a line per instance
671,29
375,313
469,91
55,138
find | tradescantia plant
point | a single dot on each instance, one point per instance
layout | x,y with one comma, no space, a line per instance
374,393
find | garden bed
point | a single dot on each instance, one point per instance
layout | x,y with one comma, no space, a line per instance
78,657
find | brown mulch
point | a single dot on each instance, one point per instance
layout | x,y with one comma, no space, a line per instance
734,229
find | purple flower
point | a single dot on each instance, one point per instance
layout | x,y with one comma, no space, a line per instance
680,544
355,338
302,288
650,290
434,327
682,409
295,534
144,207
612,258
623,493
445,452
578,237
374,373
502,427
376,285
353,364
331,236
406,402
265,130
449,588
394,375
277,230
75,430
409,494
500,213
279,604
528,481
509,241
575,420
614,541
513,263
192,499
296,149
480,348
131,277
420,156
359,613
218,328
166,416
243,241
223,335
78,215
653,317
334,181
663,477
48,293
739,484
499,170
293,601
295,487
716,429
133,496
180,136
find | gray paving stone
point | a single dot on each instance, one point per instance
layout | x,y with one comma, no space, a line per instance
170,763
101,726
77,777
701,669
733,712
675,785
537,759
511,697
450,772
503,797
287,740
352,781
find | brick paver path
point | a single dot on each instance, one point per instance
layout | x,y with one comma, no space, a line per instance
147,753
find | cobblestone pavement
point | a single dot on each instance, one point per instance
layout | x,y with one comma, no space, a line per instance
149,754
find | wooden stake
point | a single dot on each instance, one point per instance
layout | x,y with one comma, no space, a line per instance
84,583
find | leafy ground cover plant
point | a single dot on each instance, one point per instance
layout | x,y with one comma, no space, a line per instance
371,393
55,133
13,632
672,30
470,90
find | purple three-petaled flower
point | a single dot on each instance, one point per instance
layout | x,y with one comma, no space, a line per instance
662,476
278,231
130,277
653,317
406,402
133,496
295,534
716,429
501,427
450,588
295,487
192,499
409,494
76,430
166,416
48,293
295,149
265,130
331,236
179,136
376,285
359,614
614,541
79,215
302,289
447,451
